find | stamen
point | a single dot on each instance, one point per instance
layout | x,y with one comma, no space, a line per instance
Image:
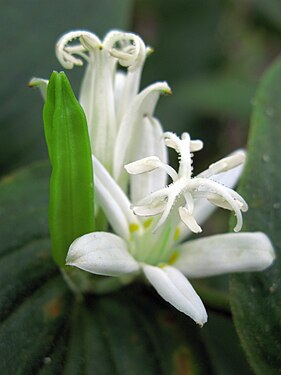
150,164
151,205
189,202
189,220
163,200
171,198
172,141
196,145
203,184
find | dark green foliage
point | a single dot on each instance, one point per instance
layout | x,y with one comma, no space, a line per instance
256,297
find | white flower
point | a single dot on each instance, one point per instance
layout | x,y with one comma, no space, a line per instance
122,129
160,256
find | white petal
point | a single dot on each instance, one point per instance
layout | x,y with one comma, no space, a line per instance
230,177
112,210
113,201
232,161
119,85
87,92
225,253
130,128
116,192
174,288
98,102
129,91
151,142
41,83
159,147
101,253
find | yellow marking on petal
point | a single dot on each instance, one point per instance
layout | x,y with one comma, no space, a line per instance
174,257
134,227
167,91
147,223
162,265
177,234
149,51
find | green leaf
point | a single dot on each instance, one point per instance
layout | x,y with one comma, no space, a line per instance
71,211
224,347
44,331
256,296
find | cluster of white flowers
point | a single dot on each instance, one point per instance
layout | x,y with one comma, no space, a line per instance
126,139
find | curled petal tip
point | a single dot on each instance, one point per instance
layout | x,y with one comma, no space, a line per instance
166,89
